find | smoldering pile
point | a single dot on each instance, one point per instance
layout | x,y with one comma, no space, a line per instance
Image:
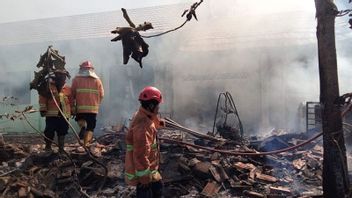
28,171
197,172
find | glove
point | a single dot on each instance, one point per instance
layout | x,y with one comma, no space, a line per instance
42,113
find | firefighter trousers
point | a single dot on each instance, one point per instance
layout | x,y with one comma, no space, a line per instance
154,190
55,124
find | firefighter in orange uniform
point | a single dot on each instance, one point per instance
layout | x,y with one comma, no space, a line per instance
87,92
54,120
142,155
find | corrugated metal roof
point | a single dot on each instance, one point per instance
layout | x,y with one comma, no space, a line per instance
86,26
272,30
209,33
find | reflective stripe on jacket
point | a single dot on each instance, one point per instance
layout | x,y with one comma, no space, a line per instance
64,99
87,94
142,154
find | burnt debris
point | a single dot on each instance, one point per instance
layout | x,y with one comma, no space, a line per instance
191,12
50,62
187,171
132,43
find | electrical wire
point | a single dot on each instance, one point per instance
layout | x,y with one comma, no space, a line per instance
252,154
168,31
190,12
69,157
343,12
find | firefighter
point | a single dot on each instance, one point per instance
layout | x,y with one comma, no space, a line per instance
54,120
87,92
142,153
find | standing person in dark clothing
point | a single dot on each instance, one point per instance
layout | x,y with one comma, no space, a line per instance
54,120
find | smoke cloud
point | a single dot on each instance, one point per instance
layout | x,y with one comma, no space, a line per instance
263,52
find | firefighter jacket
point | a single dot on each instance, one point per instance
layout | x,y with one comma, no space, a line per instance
63,98
87,92
142,152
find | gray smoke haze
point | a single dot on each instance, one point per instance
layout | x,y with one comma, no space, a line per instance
263,52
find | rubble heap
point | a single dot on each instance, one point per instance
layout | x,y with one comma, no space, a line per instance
28,171
294,174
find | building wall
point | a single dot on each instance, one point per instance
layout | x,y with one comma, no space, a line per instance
268,62
122,83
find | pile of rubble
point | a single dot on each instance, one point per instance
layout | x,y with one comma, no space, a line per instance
290,174
28,171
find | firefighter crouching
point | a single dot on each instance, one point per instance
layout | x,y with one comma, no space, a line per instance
54,120
87,92
142,155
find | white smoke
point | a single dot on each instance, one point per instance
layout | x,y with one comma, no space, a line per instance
263,52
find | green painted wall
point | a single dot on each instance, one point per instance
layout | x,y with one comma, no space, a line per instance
20,125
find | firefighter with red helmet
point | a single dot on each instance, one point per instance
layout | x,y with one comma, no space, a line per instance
142,153
88,93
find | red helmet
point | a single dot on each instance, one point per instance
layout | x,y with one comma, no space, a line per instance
149,93
86,64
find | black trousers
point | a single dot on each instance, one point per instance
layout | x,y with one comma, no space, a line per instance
90,118
154,190
53,124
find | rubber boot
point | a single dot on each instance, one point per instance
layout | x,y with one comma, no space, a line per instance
48,145
88,136
61,143
83,125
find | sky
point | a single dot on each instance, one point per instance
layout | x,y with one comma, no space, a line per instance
19,10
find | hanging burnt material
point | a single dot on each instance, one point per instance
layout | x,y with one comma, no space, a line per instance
132,43
192,11
49,63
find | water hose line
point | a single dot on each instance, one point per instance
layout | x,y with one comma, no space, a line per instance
242,153
90,155
69,157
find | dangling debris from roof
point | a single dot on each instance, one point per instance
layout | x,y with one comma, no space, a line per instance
49,63
132,42
192,11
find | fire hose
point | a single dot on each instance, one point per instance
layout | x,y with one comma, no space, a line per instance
40,133
243,153
174,125
171,124
80,143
